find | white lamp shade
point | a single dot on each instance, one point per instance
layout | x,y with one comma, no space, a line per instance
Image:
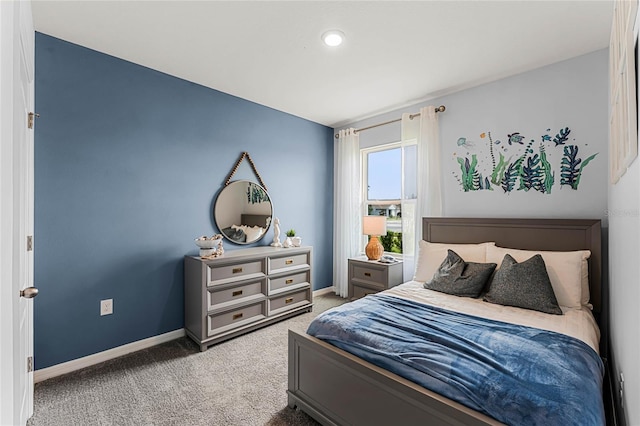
374,225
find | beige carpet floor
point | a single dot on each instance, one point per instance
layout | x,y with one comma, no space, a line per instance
239,382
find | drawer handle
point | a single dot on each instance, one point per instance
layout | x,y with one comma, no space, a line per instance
289,281
288,300
367,274
236,293
236,270
288,261
237,316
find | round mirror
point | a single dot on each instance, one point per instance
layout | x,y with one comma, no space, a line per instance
243,212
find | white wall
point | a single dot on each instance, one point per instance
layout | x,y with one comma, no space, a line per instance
571,93
624,286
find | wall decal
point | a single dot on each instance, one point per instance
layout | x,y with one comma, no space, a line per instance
562,136
571,169
528,167
256,194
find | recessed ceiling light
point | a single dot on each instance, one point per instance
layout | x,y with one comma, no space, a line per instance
333,38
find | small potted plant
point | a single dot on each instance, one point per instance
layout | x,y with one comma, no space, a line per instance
287,241
291,236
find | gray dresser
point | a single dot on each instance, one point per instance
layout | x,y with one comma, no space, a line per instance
244,290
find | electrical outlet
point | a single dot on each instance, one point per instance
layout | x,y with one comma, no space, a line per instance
106,307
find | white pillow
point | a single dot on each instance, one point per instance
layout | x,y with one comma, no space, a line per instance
568,272
431,255
253,232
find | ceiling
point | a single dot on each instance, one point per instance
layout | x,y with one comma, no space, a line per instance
396,53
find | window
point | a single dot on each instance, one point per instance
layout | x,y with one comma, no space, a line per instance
623,133
389,184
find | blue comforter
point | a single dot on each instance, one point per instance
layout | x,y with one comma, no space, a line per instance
518,375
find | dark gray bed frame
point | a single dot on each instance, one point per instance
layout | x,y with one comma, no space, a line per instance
256,220
337,388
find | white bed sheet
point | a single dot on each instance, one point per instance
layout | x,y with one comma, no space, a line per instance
578,323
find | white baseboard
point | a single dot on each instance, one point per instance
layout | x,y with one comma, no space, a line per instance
322,291
87,361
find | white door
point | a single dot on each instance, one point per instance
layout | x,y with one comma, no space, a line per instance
16,214
23,139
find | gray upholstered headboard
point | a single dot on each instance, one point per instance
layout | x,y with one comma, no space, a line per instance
527,234
256,220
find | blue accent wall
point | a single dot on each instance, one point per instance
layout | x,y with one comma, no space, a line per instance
128,162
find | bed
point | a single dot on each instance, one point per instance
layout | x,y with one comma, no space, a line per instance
250,229
337,387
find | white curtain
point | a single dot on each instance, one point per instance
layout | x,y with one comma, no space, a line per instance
426,199
347,207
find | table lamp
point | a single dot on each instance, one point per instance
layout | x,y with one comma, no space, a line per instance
374,226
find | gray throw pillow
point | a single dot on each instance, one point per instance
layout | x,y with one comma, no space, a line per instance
460,278
524,285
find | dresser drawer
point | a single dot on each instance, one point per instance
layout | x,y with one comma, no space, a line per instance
220,298
286,263
369,274
235,272
288,281
225,321
289,301
359,292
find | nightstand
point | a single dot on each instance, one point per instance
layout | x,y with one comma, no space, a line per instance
371,276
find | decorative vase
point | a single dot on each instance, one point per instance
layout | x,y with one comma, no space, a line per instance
297,241
374,249
287,242
210,246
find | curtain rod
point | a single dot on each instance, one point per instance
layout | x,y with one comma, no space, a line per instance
441,108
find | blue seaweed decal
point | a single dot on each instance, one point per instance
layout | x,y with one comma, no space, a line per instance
571,167
487,184
532,174
562,136
511,174
528,150
256,194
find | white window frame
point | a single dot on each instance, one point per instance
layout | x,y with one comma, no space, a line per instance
364,168
623,135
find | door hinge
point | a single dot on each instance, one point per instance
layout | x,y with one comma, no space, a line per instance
30,120
29,242
29,364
